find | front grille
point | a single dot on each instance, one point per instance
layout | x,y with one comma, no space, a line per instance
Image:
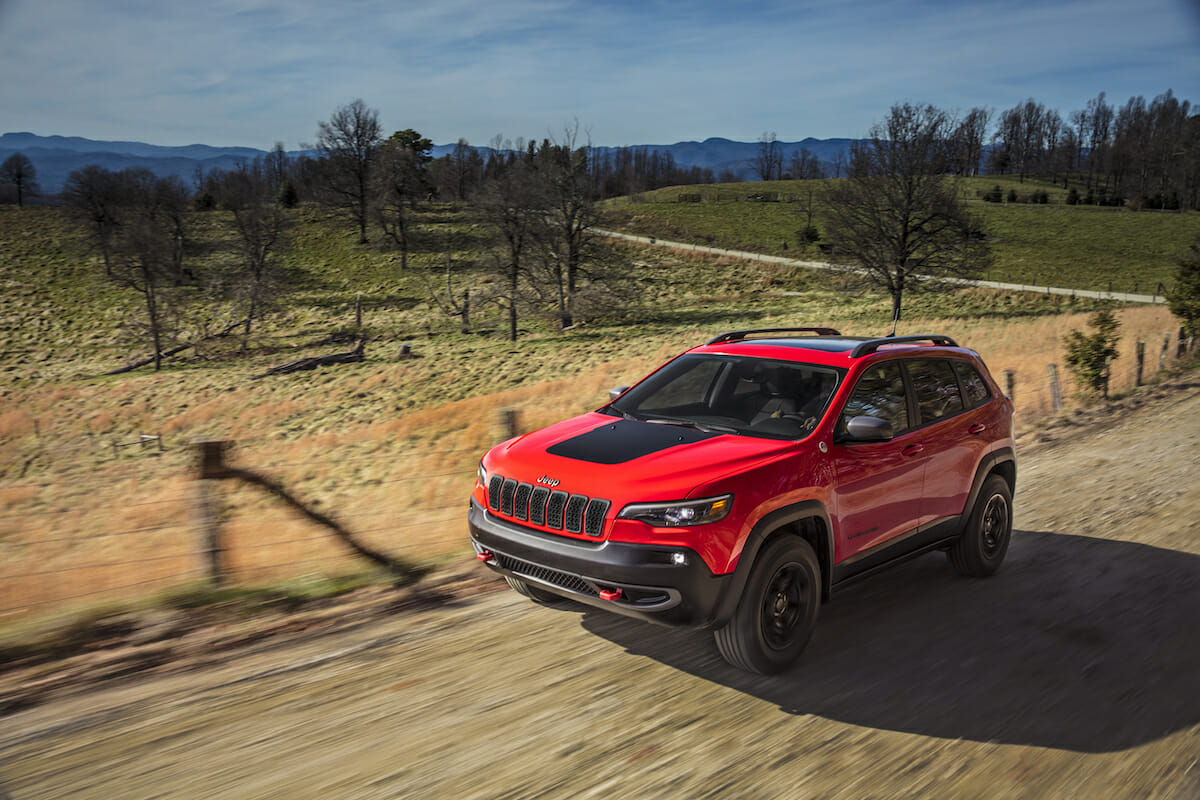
557,510
573,517
593,518
537,505
506,496
554,509
521,501
564,579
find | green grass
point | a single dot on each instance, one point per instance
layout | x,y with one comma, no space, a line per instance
1080,247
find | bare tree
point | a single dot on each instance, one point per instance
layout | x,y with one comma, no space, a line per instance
401,179
513,207
348,143
93,198
572,213
805,166
969,137
1099,119
808,198
18,170
249,192
169,199
898,214
769,161
148,248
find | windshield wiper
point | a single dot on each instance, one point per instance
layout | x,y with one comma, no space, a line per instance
688,423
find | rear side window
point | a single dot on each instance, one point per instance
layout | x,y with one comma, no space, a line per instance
974,388
936,388
880,393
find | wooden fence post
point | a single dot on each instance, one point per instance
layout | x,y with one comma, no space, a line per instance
1141,362
212,468
1055,391
1162,357
510,422
1010,383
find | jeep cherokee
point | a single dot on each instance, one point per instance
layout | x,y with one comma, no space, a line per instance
735,487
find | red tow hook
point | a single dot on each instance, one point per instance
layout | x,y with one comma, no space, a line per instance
485,555
610,594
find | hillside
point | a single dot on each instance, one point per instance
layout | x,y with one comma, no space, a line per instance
56,157
1080,247
388,445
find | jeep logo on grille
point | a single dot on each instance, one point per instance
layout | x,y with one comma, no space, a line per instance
548,481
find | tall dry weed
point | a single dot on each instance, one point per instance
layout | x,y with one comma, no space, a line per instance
102,524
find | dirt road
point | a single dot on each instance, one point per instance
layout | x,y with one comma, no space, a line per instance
1075,672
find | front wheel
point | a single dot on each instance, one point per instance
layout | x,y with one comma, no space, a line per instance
984,542
777,613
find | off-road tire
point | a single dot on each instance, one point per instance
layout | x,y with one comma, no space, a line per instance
778,609
983,544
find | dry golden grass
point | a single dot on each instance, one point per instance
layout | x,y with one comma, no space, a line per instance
1029,346
354,442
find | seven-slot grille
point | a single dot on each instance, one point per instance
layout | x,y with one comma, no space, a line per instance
574,513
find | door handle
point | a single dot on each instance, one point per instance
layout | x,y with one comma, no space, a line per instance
977,428
913,449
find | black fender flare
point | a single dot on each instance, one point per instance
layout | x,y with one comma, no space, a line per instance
1003,456
762,531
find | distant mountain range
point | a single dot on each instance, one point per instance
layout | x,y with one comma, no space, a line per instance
56,157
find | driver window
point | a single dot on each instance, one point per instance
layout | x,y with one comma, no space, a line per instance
879,393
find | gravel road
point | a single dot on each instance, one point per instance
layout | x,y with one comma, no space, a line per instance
1074,672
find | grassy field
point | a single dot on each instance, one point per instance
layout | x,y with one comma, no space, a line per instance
388,446
1079,247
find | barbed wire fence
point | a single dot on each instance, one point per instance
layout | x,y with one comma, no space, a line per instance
193,532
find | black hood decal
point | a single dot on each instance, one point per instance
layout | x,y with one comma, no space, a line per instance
625,440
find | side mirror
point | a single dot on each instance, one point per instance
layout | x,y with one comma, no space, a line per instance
613,394
869,429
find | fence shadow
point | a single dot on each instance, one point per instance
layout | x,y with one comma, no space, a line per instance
1078,643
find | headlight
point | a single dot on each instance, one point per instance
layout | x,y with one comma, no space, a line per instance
680,514
481,475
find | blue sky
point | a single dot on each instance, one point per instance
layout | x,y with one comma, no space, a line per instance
253,72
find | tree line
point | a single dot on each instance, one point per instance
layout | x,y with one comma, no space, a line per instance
898,212
1140,154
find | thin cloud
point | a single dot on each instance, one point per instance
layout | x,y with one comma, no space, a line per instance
256,71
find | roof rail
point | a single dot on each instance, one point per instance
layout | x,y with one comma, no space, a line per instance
871,345
737,336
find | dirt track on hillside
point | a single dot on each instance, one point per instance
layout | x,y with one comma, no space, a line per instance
1074,672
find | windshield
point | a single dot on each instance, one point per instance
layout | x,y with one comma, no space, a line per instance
733,394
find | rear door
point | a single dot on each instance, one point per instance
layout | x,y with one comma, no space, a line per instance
954,418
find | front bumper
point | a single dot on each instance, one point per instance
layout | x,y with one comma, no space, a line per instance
638,580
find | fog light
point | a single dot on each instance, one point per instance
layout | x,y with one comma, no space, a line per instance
679,559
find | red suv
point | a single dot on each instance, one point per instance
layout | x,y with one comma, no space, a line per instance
740,483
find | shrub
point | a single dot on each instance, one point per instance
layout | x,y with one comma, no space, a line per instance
1184,299
1090,356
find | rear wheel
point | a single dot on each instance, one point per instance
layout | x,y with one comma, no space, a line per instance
539,596
984,542
777,612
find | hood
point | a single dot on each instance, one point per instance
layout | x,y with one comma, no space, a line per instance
627,460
